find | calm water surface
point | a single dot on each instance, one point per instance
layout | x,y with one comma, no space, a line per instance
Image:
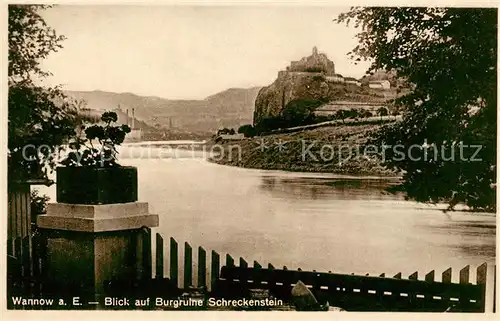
313,221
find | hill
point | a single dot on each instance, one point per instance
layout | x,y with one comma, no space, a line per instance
331,149
230,108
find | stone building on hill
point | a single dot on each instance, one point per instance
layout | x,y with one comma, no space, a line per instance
352,81
335,78
317,62
379,84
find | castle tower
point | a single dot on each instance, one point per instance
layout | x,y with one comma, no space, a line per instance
315,51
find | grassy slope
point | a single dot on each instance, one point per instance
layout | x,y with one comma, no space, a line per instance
291,158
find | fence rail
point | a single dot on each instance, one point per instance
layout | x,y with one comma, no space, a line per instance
365,293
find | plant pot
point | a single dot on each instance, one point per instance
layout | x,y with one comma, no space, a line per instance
88,185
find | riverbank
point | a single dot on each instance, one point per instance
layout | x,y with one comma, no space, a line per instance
334,149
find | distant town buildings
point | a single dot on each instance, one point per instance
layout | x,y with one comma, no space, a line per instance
379,84
335,78
352,81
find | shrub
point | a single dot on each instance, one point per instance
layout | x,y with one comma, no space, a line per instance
226,131
247,130
38,204
84,153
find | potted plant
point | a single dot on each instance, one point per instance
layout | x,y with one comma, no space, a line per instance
91,174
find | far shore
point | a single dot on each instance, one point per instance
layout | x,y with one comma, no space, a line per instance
284,152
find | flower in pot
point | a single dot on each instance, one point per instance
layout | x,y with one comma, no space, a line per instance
91,174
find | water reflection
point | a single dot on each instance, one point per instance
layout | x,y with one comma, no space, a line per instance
314,188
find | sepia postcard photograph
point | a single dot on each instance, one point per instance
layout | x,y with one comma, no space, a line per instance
250,157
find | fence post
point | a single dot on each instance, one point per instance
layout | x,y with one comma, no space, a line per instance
446,278
174,264
147,253
464,279
257,266
429,277
202,267
243,279
464,275
26,261
481,280
494,288
188,264
215,268
159,256
229,260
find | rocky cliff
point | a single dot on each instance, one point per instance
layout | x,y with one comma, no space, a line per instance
290,86
287,87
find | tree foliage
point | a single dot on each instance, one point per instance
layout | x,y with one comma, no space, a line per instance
299,112
382,111
449,55
247,130
40,118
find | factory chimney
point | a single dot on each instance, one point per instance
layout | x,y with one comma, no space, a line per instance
133,118
127,117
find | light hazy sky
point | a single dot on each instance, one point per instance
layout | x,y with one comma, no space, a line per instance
190,52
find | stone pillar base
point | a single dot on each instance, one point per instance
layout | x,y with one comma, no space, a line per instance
88,245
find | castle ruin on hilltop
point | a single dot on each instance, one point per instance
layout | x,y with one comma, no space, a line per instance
317,64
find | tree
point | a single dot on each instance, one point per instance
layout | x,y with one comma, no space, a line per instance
342,114
40,119
449,56
367,114
247,130
299,112
226,131
382,111
353,113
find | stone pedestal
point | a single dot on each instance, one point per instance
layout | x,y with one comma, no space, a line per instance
88,245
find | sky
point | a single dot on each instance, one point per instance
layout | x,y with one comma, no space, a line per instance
190,52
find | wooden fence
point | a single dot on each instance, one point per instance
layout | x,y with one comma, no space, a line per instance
25,259
19,213
25,251
201,270
351,292
364,293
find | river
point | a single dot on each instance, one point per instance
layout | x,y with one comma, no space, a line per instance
312,221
